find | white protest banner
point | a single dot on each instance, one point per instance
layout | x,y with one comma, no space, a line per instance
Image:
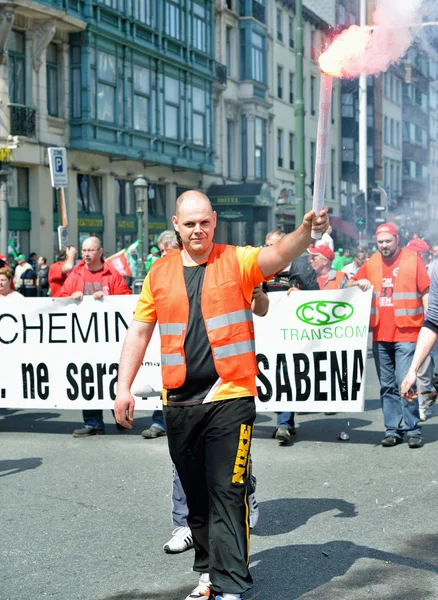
58,353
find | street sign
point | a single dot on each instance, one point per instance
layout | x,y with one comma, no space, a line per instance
63,237
58,167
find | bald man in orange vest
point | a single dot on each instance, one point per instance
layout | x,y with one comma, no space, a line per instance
201,297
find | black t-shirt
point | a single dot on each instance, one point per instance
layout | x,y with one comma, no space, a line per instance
201,371
43,278
300,274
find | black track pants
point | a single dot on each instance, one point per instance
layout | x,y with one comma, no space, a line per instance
210,446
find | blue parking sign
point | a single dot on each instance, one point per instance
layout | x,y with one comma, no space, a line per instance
58,167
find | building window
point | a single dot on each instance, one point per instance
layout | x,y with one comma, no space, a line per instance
89,194
141,100
230,146
370,157
391,87
260,148
291,32
200,28
385,130
341,15
124,197
347,108
291,152
280,82
17,67
106,87
312,95
280,147
348,150
157,201
76,95
174,19
199,117
397,134
18,187
386,173
52,80
244,145
391,178
143,11
171,108
257,57
279,24
291,88
391,132
228,40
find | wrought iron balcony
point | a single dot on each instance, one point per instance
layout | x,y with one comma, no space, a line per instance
23,120
221,73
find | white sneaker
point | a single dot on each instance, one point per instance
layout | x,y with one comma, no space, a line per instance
202,590
181,540
423,416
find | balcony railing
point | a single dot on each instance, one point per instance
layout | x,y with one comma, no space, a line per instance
221,73
23,120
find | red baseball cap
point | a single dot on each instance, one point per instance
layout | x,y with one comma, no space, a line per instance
387,228
417,245
324,250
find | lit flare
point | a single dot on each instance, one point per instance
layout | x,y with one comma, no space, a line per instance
345,56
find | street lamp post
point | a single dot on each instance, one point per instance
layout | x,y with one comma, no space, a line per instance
141,197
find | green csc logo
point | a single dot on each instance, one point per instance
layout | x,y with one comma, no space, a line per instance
324,312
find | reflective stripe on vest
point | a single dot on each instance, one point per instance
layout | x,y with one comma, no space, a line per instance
406,296
234,349
172,328
171,360
238,316
408,312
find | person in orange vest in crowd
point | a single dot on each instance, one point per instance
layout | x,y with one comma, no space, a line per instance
321,258
201,297
400,295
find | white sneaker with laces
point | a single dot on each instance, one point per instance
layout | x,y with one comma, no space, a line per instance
180,541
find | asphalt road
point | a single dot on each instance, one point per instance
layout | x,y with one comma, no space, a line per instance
85,519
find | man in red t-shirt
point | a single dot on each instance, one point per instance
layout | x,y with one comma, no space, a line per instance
93,277
60,270
401,289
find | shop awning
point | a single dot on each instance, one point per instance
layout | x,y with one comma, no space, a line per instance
344,227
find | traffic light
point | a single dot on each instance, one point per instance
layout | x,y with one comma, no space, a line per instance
359,209
377,208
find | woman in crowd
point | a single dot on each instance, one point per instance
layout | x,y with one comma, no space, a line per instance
5,284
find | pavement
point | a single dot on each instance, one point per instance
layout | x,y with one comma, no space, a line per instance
86,519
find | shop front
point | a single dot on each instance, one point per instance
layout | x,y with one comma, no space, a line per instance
245,212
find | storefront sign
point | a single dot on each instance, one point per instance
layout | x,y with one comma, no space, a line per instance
311,351
96,223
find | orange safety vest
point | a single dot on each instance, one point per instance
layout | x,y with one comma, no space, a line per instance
227,316
335,284
408,304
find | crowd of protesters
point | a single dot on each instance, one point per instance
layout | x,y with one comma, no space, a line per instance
400,278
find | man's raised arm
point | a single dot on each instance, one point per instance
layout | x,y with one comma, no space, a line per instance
134,348
291,246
